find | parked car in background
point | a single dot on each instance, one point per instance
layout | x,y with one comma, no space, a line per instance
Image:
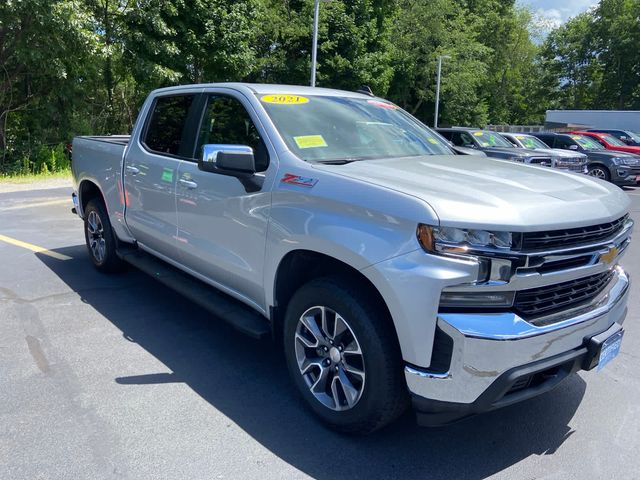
630,138
610,142
574,161
617,167
493,145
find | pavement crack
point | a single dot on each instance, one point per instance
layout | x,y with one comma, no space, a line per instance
35,349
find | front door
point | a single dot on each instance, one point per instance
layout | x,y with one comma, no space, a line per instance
222,221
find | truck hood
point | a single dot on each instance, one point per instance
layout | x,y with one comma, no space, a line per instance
478,192
557,152
508,152
607,154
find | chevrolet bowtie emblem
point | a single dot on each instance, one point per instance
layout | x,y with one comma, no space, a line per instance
609,257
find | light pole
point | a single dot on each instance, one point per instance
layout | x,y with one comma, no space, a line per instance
314,47
435,117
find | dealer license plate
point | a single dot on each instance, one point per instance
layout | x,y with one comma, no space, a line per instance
610,349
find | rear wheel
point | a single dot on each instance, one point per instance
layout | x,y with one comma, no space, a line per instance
600,171
343,356
100,239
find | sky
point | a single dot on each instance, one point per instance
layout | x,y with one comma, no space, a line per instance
558,12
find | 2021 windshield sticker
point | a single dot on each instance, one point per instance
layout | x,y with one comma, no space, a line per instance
310,141
284,99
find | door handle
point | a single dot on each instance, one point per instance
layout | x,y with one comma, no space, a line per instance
188,183
132,170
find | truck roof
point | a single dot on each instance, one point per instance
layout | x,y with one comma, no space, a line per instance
263,88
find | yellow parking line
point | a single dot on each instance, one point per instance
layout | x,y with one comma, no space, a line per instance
33,248
37,204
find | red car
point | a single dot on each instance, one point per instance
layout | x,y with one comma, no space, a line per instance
610,142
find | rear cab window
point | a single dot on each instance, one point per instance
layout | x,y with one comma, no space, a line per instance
165,129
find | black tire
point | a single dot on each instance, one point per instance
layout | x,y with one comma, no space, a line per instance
105,260
599,171
384,394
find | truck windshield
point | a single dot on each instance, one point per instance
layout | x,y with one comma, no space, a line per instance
529,141
587,143
333,129
490,139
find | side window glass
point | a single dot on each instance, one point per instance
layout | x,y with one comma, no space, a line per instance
456,138
166,125
466,139
226,121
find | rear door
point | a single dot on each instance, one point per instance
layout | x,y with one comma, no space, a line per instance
222,220
150,173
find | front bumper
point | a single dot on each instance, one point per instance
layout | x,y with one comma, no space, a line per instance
492,352
624,175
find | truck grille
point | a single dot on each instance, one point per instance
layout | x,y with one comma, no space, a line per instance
536,302
571,237
546,161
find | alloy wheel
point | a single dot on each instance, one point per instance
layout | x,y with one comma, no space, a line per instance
598,173
96,239
329,358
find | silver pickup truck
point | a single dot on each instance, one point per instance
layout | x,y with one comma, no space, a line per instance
391,271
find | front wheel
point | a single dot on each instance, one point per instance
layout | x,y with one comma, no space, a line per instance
343,355
600,172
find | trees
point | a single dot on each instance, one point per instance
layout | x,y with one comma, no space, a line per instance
84,66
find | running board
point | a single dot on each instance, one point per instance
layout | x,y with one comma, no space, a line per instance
240,316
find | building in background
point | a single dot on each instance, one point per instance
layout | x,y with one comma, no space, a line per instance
582,119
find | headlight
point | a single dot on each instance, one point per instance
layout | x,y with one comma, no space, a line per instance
626,161
460,240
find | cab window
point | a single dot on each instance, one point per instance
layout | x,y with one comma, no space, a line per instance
226,121
165,130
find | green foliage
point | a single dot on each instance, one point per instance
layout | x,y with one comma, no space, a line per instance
73,67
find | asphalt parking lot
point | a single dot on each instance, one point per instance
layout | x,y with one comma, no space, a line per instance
118,377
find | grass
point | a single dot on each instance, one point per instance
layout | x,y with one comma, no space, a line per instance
32,177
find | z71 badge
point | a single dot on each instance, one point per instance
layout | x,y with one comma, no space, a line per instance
292,179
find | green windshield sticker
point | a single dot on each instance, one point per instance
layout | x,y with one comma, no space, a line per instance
167,175
310,141
432,140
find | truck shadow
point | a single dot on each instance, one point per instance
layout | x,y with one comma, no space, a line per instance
247,381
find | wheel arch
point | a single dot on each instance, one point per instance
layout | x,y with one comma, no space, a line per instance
299,267
87,191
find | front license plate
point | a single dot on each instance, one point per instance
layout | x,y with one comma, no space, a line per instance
610,349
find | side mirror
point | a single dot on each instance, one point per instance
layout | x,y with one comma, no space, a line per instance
233,160
573,147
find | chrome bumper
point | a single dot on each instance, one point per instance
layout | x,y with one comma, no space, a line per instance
486,345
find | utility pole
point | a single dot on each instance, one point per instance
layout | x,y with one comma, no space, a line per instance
435,116
314,48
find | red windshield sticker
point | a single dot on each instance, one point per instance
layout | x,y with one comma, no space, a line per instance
292,179
377,103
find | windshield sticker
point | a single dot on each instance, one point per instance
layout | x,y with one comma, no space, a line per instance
478,134
576,137
282,99
378,103
432,140
520,137
310,141
292,179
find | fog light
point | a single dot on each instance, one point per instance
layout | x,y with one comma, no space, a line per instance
450,299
